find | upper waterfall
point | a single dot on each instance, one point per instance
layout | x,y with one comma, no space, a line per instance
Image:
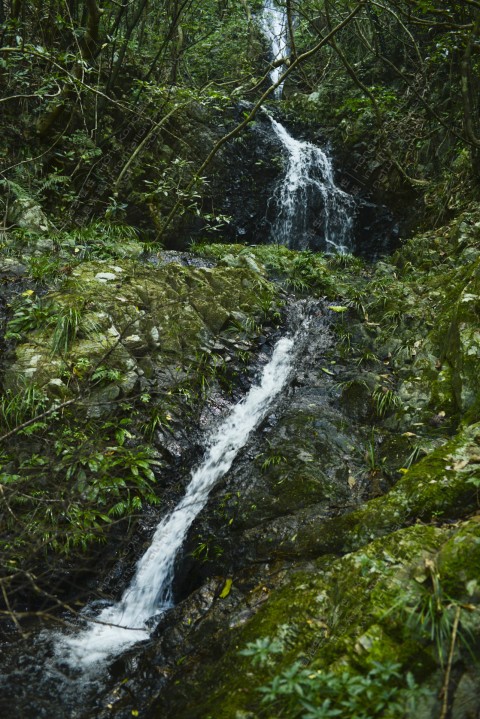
310,210
274,25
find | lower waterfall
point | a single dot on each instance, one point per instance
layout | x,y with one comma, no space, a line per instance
150,593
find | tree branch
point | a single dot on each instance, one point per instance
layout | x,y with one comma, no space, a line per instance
448,670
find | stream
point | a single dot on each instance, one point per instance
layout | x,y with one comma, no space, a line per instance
150,593
273,22
309,179
306,202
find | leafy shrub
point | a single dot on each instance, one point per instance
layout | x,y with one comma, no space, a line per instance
29,313
81,478
314,694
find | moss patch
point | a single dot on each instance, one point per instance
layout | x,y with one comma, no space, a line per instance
345,613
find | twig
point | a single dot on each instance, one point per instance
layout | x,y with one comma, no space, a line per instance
12,614
39,417
145,140
35,94
448,670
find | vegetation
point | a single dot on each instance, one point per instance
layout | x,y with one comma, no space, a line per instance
318,695
105,93
120,122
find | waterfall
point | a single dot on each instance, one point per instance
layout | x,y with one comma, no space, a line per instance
308,179
307,203
123,624
274,25
310,210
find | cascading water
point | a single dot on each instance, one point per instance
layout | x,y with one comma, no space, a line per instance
150,592
307,202
310,210
274,25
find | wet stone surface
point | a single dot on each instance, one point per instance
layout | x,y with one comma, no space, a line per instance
306,455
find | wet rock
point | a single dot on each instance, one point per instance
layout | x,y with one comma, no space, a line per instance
101,402
343,613
305,459
435,486
11,267
465,702
337,579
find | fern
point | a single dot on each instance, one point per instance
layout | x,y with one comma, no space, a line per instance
52,181
20,192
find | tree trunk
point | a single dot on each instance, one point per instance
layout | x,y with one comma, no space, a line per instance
470,122
91,39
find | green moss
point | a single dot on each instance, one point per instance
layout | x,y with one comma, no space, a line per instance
432,284
435,487
347,614
332,615
140,354
298,271
168,311
458,561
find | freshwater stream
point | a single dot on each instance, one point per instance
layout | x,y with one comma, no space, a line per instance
273,22
308,181
150,592
306,202
308,173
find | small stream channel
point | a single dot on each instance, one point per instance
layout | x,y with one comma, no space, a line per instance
292,409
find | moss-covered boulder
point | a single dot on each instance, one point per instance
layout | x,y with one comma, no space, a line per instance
140,321
378,606
104,379
437,486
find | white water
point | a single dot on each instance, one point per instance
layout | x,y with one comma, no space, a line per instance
274,25
308,175
310,210
150,592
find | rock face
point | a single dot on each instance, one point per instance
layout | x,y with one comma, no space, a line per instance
288,572
26,213
145,323
130,361
242,187
346,613
305,457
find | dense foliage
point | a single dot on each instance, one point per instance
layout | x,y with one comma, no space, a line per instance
96,98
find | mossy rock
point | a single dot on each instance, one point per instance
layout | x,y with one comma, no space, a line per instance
436,487
345,614
135,318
